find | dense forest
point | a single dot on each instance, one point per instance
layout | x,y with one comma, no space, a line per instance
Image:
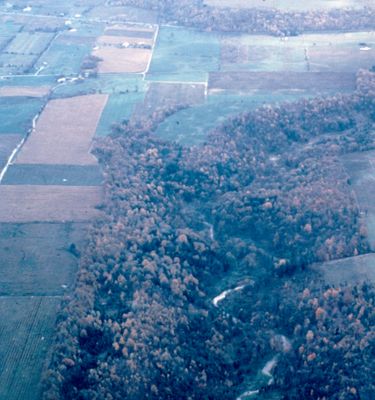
262,198
265,21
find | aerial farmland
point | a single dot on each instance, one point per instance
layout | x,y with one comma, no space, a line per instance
70,75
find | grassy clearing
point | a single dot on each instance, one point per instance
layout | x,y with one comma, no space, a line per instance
163,95
16,63
190,126
26,335
65,175
64,132
36,258
32,203
361,169
348,270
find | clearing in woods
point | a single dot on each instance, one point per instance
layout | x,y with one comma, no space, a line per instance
64,132
33,203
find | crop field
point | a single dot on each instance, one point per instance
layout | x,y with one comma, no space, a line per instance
17,113
361,169
163,95
66,175
7,144
36,259
24,91
117,41
64,132
184,55
290,4
26,334
352,269
270,81
122,60
32,203
119,107
29,43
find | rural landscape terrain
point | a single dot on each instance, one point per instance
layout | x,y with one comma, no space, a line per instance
187,199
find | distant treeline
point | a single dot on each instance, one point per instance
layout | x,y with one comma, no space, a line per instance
263,197
196,14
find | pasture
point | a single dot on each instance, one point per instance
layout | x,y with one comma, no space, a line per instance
286,5
190,126
33,203
36,260
119,107
29,43
65,175
185,55
17,113
7,144
24,91
64,132
319,82
165,95
26,335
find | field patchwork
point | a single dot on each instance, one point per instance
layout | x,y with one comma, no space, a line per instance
48,203
64,132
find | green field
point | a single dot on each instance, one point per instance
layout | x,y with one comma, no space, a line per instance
26,335
17,113
68,175
63,59
345,52
30,80
119,107
184,55
190,126
29,43
36,259
7,144
16,63
286,5
105,83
